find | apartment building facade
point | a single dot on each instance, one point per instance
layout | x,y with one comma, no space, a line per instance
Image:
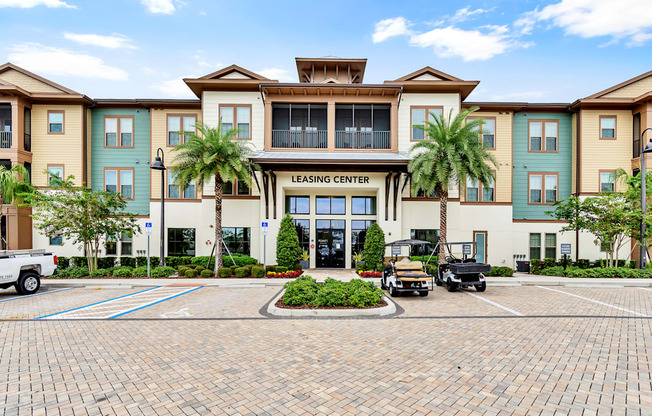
333,152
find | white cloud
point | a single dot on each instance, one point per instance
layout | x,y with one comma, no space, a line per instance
522,95
202,61
28,4
174,88
162,6
470,45
622,19
115,41
277,74
465,14
56,61
389,28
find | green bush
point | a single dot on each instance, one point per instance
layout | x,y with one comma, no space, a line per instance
190,266
233,269
77,272
535,266
366,297
281,269
165,271
139,272
583,263
552,271
239,259
63,272
153,261
601,272
105,262
547,262
141,261
191,273
301,291
206,273
100,273
63,262
249,267
242,272
288,250
257,271
199,269
620,263
224,272
374,247
272,268
297,266
127,262
123,271
501,271
356,293
331,295
175,261
79,261
182,270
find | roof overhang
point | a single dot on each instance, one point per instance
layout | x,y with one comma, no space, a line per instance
147,103
198,85
464,88
518,106
325,160
615,103
44,98
330,89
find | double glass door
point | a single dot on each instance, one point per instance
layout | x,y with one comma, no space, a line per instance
330,243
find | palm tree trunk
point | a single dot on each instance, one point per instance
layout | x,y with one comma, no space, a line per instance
443,208
218,222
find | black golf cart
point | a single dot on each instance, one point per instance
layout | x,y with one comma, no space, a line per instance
463,271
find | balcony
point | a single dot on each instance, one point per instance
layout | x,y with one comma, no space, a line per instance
5,140
358,140
297,139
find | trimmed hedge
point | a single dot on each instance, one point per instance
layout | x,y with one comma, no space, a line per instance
242,272
257,271
77,272
127,262
609,272
206,273
79,261
100,273
139,272
191,273
501,271
63,262
535,266
123,271
165,271
224,272
356,293
106,262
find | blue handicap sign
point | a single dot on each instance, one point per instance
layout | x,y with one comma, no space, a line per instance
148,225
264,225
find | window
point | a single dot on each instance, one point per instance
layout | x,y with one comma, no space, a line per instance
120,180
119,131
418,118
535,246
543,135
125,244
608,127
174,188
358,236
237,239
431,236
303,231
237,116
477,192
54,171
181,241
242,188
607,182
363,205
180,128
540,182
487,132
636,119
297,204
331,205
551,246
55,122
56,241
111,245
431,194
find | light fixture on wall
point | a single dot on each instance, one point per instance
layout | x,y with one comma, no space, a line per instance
159,165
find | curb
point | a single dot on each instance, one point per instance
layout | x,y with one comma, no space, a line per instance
329,313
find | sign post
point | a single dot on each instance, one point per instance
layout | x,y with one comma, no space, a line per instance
565,251
467,250
264,227
148,231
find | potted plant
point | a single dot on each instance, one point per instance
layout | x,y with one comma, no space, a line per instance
358,258
304,260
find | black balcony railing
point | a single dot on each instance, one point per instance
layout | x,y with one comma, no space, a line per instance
5,139
298,139
363,140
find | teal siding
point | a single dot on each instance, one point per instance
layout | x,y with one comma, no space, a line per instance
137,158
525,161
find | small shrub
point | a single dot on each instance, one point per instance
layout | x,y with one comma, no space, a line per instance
139,272
297,266
302,291
153,261
547,262
190,266
331,295
199,269
552,271
63,272
288,250
123,271
191,273
239,259
257,271
206,273
281,269
272,268
141,261
366,297
79,261
127,262
535,266
77,272
583,263
224,272
233,269
602,272
182,270
501,271
241,272
100,273
106,262
165,271
63,262
374,247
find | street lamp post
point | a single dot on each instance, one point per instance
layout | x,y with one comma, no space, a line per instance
645,149
158,165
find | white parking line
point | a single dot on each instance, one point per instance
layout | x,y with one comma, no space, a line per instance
596,301
498,305
645,288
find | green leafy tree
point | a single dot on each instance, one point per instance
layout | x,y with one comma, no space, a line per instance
632,196
288,250
14,186
450,153
374,247
214,154
82,215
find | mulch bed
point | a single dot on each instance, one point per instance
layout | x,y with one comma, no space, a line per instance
280,304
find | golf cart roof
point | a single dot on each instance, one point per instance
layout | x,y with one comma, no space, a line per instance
408,242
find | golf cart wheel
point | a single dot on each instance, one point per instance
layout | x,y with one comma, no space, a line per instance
438,282
392,291
28,283
481,287
382,283
451,286
423,293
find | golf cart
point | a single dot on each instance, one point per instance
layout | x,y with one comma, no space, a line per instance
406,276
463,271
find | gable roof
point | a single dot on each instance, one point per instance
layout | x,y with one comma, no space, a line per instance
11,67
621,85
234,68
427,70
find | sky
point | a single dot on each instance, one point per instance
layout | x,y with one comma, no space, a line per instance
520,50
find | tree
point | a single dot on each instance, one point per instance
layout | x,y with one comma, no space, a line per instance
374,247
213,154
450,153
633,199
83,215
606,216
14,186
288,250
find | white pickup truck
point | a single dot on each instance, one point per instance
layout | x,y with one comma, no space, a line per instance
24,269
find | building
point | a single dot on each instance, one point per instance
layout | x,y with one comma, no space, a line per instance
333,152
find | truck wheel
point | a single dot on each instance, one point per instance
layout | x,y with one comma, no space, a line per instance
392,291
28,283
423,293
451,286
481,287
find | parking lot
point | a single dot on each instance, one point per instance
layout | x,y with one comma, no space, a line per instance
208,350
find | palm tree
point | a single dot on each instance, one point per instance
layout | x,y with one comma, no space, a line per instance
451,152
14,183
213,153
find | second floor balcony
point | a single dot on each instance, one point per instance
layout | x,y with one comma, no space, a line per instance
5,140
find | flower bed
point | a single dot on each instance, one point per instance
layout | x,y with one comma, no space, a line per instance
369,273
291,274
306,293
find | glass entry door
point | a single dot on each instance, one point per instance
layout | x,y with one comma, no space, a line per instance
480,238
330,243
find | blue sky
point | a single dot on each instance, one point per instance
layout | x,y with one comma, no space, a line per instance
536,51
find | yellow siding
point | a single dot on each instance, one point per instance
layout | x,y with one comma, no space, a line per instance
503,155
61,149
27,83
599,154
574,153
159,139
633,90
88,147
